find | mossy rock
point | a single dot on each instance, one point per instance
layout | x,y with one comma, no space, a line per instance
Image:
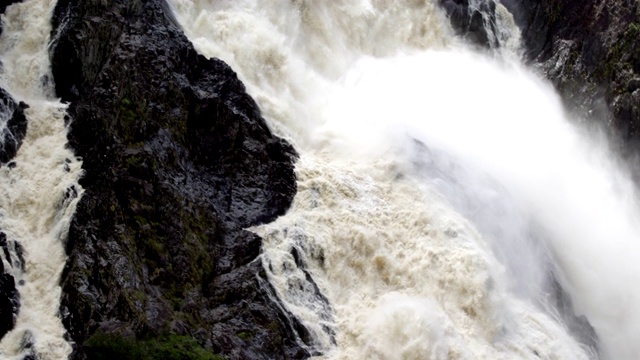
171,347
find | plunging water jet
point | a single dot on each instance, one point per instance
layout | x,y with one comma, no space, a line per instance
38,189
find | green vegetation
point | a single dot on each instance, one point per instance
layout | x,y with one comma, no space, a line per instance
128,112
102,346
633,30
131,120
616,54
245,335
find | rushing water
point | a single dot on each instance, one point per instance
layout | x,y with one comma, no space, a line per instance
446,207
39,194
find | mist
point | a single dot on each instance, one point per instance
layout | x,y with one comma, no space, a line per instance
515,150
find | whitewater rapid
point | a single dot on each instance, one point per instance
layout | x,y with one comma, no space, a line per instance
446,207
39,191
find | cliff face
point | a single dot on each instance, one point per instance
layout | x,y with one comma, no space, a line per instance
177,162
590,50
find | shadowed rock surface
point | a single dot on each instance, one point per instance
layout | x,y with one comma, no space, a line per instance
471,19
177,161
9,296
12,114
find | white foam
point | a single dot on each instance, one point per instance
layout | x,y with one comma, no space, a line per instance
34,208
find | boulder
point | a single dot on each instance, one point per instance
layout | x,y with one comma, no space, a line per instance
177,162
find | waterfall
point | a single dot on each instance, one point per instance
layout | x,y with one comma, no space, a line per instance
446,206
39,189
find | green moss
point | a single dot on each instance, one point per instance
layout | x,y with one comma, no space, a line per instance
171,347
177,303
195,242
246,335
633,30
128,116
616,55
134,161
131,118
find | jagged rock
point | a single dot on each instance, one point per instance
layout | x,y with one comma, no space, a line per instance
177,162
15,128
9,297
471,19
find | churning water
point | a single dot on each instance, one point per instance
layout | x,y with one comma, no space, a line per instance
39,191
446,208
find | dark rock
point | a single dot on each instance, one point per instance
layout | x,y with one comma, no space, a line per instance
177,162
9,302
9,297
473,20
26,347
16,127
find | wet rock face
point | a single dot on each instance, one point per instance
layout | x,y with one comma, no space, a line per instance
177,162
471,19
9,297
15,127
590,50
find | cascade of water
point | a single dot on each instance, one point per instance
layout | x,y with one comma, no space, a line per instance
39,192
398,273
583,201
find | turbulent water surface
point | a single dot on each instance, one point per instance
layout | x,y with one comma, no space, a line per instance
446,207
39,191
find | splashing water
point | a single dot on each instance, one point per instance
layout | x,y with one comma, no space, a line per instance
443,198
39,195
